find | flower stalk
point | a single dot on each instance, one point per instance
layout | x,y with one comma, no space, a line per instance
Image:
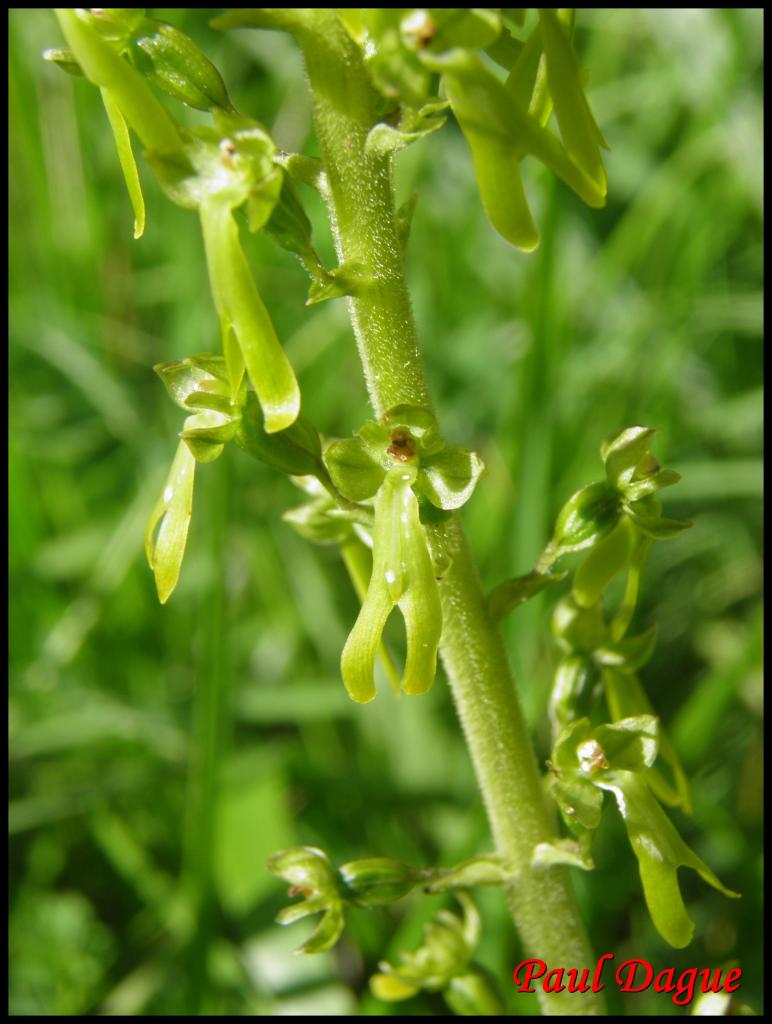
395,487
366,230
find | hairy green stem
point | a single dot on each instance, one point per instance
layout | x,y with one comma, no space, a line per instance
362,206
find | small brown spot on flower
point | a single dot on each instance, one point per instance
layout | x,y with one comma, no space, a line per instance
419,28
402,447
591,756
227,152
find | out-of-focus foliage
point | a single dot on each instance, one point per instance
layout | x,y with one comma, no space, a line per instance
159,756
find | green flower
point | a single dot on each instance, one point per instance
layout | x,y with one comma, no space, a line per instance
633,476
404,465
616,758
217,171
198,385
311,876
371,882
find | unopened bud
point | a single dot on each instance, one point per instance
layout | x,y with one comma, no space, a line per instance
587,517
378,880
173,62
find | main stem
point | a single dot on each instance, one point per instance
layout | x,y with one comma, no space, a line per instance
361,201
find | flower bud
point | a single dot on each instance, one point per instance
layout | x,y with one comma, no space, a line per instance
587,517
378,880
172,61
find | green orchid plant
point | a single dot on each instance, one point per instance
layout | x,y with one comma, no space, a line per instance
404,466
388,497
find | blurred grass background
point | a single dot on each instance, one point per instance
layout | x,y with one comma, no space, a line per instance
159,755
